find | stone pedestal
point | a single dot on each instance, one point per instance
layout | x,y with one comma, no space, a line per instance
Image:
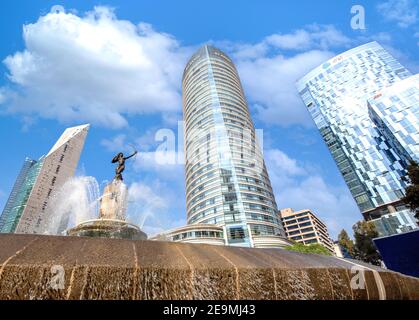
111,222
113,204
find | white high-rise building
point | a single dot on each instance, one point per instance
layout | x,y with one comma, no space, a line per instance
46,177
227,184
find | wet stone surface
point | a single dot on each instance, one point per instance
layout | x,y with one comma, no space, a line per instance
49,267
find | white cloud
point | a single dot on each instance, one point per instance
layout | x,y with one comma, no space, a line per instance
95,68
313,37
240,50
403,12
299,186
2,96
269,83
147,141
115,144
165,164
287,166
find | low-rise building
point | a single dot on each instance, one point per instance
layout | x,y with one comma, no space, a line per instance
214,234
305,227
195,233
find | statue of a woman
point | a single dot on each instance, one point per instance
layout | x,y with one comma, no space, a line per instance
121,164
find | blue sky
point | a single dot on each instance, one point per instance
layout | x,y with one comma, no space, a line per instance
118,66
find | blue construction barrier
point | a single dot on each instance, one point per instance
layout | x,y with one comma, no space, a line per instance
400,252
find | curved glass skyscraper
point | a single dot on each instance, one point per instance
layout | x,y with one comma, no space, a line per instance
226,179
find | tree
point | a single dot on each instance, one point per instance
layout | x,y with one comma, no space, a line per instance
316,248
365,249
412,191
345,242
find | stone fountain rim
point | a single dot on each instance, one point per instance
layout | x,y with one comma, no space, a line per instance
118,221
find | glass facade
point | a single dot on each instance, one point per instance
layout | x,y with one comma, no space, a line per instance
19,196
336,95
394,223
47,177
226,179
395,112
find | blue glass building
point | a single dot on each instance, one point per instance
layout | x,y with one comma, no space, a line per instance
18,198
395,112
337,94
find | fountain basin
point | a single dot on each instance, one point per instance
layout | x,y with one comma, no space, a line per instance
108,228
31,266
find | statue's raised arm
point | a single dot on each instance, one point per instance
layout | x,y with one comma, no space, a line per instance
135,152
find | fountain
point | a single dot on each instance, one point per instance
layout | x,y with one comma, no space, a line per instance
112,213
76,201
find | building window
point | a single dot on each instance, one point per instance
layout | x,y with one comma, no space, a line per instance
237,233
310,235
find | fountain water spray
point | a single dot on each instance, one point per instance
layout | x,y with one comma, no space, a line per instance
77,201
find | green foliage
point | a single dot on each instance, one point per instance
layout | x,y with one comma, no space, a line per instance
312,248
346,242
412,191
364,248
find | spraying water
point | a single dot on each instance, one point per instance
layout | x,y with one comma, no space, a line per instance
77,201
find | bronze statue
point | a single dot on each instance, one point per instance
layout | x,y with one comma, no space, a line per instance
121,164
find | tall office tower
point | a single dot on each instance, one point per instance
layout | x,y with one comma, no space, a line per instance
395,112
336,95
38,181
14,202
226,179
